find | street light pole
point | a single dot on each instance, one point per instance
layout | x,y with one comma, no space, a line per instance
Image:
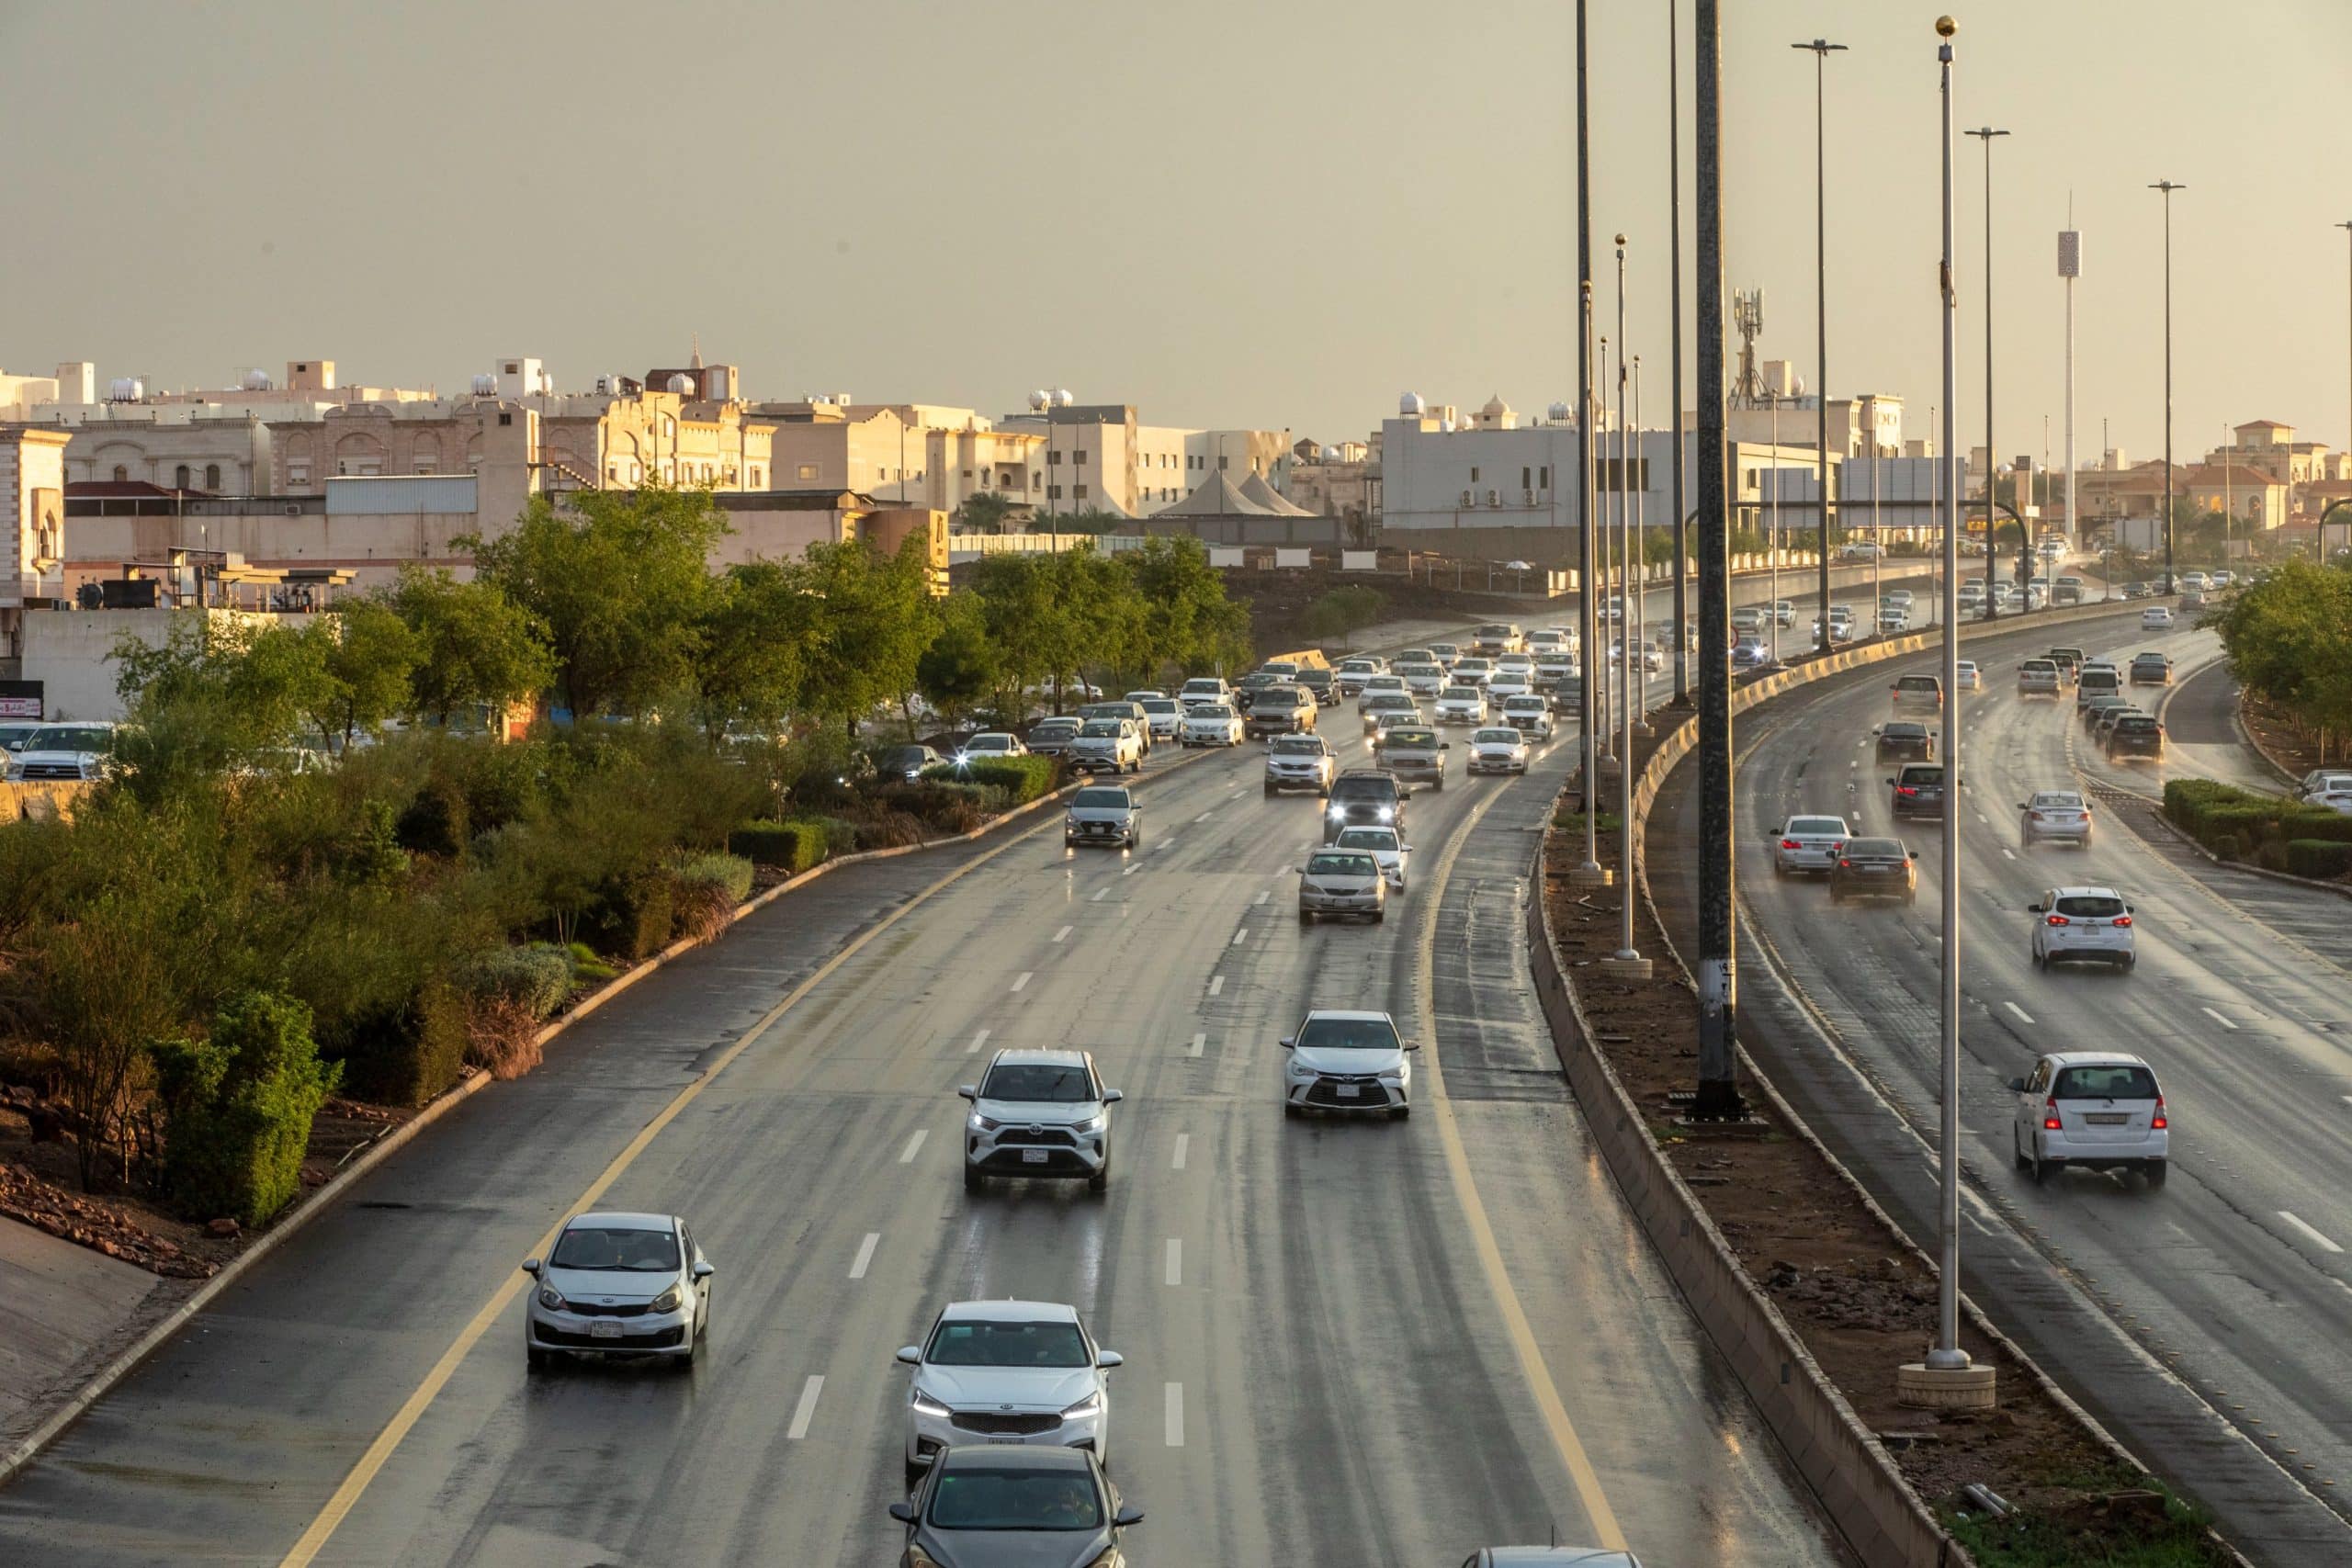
2319,541
1991,458
1607,564
1674,272
1947,1378
1590,873
1822,49
2167,187
1626,962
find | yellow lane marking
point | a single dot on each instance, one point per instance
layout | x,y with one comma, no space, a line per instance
363,1473
1482,1235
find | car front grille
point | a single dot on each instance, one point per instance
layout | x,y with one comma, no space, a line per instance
991,1424
51,771
1326,1092
620,1309
663,1339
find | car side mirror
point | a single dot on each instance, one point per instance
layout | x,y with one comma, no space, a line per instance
903,1512
1915,854
1409,1045
1113,1096
1890,780
967,1091
1106,1359
2033,909
1289,1044
531,1266
910,1354
1445,745
1128,1514
2127,908
704,1269
2017,1085
2023,806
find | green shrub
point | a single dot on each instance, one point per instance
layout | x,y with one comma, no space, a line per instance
436,821
2315,822
405,1052
2321,858
536,978
792,847
729,874
2270,854
2229,846
2248,823
764,843
1024,778
2188,800
634,917
237,1108
946,808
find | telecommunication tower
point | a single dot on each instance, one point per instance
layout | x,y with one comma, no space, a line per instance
1747,319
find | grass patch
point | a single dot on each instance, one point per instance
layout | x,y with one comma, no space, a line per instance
2090,1533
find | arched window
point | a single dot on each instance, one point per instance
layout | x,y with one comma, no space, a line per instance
179,476
120,473
212,476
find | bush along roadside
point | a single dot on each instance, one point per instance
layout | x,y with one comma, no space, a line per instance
2266,830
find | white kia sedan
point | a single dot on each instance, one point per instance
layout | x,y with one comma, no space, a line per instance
1006,1371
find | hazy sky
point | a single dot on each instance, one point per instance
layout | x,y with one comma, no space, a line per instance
1238,212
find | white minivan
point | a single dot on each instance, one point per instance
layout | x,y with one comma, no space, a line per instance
2096,1109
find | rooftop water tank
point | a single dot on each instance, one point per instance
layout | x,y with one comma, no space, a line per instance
1040,399
485,386
1330,454
1412,406
682,384
258,382
1062,399
1558,414
125,389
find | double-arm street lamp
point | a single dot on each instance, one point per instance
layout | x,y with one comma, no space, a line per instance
2167,187
1992,461
1822,49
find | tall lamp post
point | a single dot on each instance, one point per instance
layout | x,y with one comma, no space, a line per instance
1674,304
2167,187
1590,872
1948,1379
1992,459
1822,49
2319,542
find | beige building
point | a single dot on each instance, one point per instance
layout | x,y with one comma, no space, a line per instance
1338,481
1100,455
32,538
2247,494
920,454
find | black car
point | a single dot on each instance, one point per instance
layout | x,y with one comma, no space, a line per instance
2136,735
1363,797
987,1505
1322,684
1874,868
2151,669
1914,741
894,762
1918,790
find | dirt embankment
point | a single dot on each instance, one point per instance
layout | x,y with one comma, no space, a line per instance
1278,602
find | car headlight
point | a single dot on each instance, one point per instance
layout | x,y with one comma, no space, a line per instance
551,1298
1091,1406
1092,1124
924,1405
980,1123
1300,1071
669,1300
1388,814
1339,813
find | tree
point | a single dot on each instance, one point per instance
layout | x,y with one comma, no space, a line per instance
366,656
984,512
1027,624
215,692
959,669
873,620
1188,623
752,663
1342,612
474,645
619,579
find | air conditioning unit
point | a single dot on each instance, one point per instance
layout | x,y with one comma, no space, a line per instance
1530,498
1469,498
1494,497
293,509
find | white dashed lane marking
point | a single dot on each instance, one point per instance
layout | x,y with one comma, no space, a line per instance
2313,1237
2023,1016
864,1254
1261,899
1201,1040
1216,984
977,1041
1175,1261
2217,1017
1022,979
914,1147
1241,936
1183,1145
1201,819
1175,1414
1098,896
1063,934
806,1410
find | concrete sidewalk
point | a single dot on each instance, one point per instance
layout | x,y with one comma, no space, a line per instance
69,1311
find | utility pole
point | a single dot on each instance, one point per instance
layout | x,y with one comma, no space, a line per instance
1947,1379
1592,873
1674,269
1718,1097
1822,49
2319,538
1992,453
2070,267
2167,187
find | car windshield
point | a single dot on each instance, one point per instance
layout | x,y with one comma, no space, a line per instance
1401,736
1834,826
1368,838
1159,705
1277,695
990,743
1495,737
1461,694
990,1342
1389,701
988,1499
1096,728
1297,746
2040,666
620,1250
1356,667
2090,905
1367,789
901,757
2116,1081
69,738
2135,724
1347,1034
2063,799
15,735
1385,683
1055,726
1218,710
1341,865
1207,685
1906,731
1876,848
1106,799
1046,1083
1524,704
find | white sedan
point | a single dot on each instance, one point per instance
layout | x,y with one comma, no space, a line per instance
1531,715
1461,704
2156,618
1809,843
1970,678
1497,751
1211,724
989,746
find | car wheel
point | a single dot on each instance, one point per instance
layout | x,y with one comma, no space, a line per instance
1270,792
2034,956
2154,1171
1306,916
1399,1113
534,1359
2042,1167
1438,785
1290,1111
1379,916
2017,1152
1100,1180
1778,868
973,1179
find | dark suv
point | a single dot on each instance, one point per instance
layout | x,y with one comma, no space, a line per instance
2136,735
1918,790
1320,683
1363,797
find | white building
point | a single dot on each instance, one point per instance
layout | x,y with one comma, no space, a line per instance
1099,455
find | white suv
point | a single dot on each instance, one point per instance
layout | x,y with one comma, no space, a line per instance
2090,924
2099,1109
1461,704
1039,1114
1007,1372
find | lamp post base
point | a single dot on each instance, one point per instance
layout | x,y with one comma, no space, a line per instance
1641,732
1924,1387
1592,876
1624,966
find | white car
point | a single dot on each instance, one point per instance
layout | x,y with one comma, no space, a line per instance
620,1284
1111,745
1809,843
1165,714
1374,684
1510,681
2156,618
1387,847
2197,580
1349,677
2089,925
1007,1372
1423,679
1038,1113
1497,751
1376,704
1648,657
1461,704
2098,1110
1529,714
2322,787
1347,1061
2054,814
1748,620
1145,695
1211,724
63,751
1552,639
1104,814
1472,671
1203,691
1299,761
1968,678
993,745
1553,669
1894,619
1785,612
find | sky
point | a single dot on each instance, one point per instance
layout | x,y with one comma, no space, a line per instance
1266,213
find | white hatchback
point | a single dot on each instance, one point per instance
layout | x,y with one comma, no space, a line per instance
2099,1109
2091,925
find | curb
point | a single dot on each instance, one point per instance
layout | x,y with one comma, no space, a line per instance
324,1198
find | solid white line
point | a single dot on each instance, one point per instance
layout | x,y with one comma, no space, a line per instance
864,1254
1022,979
1261,899
977,1041
1216,984
1201,1040
805,1409
1201,819
1098,894
1175,1414
1183,1144
2317,1239
2217,1017
1175,1261
1241,936
2023,1016
2012,854
914,1145
1063,934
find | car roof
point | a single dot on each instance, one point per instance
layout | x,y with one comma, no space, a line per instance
1017,1456
1040,1057
622,1219
2093,1059
1351,1015
2085,889
1009,1312
1557,1556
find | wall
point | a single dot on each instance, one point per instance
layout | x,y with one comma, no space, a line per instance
72,652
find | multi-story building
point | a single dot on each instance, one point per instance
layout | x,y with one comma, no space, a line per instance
1341,479
1100,455
914,453
32,523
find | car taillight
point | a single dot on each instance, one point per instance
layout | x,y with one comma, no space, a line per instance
2050,1123
1905,789
2121,921
1846,865
1791,844
2059,920
2158,1122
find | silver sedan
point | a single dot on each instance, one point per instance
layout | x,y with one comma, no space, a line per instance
620,1284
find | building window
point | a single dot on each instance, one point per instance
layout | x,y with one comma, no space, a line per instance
1053,459
968,473
1545,478
120,473
179,476
296,473
808,470
756,476
212,476
425,464
505,419
612,473
1053,492
1078,490
1474,476
1525,479
1220,462
1078,458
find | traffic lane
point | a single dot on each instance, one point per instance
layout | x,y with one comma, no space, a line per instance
1874,972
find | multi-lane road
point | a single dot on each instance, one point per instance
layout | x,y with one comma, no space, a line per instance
1380,1343
2205,1321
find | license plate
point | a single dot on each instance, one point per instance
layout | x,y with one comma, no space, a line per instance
1032,1156
604,1328
2108,1119
1350,1091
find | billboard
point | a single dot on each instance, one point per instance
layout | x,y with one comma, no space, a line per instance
20,700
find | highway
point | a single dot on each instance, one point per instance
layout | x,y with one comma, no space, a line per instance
1376,1343
2205,1322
